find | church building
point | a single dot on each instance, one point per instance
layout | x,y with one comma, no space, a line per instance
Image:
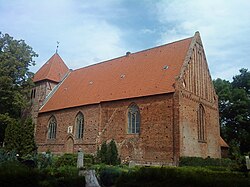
158,105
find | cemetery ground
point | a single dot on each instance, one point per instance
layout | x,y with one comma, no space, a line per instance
47,170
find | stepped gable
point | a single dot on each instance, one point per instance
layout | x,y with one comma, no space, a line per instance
54,70
144,73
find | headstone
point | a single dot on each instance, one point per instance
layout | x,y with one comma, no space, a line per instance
80,157
248,162
131,164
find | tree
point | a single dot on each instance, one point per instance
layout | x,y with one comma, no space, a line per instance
108,153
104,152
234,107
113,158
19,136
15,80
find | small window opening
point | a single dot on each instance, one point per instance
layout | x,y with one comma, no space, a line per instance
165,67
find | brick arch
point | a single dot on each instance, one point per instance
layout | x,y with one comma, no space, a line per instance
69,145
127,151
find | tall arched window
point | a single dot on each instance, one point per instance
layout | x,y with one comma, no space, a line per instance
201,123
79,125
133,119
52,128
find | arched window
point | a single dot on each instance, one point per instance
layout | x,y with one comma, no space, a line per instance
201,123
79,125
133,119
52,128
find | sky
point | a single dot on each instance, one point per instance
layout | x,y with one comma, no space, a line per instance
93,31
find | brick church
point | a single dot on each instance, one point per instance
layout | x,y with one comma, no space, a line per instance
158,105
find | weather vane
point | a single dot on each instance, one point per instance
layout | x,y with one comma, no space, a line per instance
57,46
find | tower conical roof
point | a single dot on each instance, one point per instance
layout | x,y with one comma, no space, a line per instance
54,70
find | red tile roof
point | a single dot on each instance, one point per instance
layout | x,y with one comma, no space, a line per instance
223,143
54,69
144,73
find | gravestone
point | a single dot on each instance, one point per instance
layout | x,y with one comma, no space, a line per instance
248,162
131,164
80,157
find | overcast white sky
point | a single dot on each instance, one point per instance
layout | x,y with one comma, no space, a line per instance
97,30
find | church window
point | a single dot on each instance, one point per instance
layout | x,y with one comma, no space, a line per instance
79,125
52,128
201,123
31,95
34,93
133,119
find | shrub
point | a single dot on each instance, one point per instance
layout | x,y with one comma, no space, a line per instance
182,176
43,160
198,161
66,160
17,175
108,154
109,175
7,156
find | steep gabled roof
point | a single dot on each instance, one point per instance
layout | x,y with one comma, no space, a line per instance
223,143
145,73
54,70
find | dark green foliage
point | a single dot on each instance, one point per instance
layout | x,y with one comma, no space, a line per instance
113,158
88,160
44,160
15,79
66,160
15,84
4,121
174,176
14,174
104,153
198,161
6,156
234,108
19,136
109,175
108,154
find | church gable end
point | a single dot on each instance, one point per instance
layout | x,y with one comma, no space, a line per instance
195,76
199,119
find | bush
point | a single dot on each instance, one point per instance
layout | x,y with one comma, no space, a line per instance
44,160
6,156
66,160
108,154
16,174
185,176
109,175
198,161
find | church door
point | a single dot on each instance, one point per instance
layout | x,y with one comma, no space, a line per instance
69,145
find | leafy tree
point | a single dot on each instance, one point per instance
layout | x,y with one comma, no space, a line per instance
113,158
15,83
27,142
19,136
234,107
4,121
108,153
104,152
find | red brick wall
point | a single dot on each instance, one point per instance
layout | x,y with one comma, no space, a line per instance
189,144
154,143
66,118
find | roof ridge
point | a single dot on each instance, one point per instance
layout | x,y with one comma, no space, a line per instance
109,60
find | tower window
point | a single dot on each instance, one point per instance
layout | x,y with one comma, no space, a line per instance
133,119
